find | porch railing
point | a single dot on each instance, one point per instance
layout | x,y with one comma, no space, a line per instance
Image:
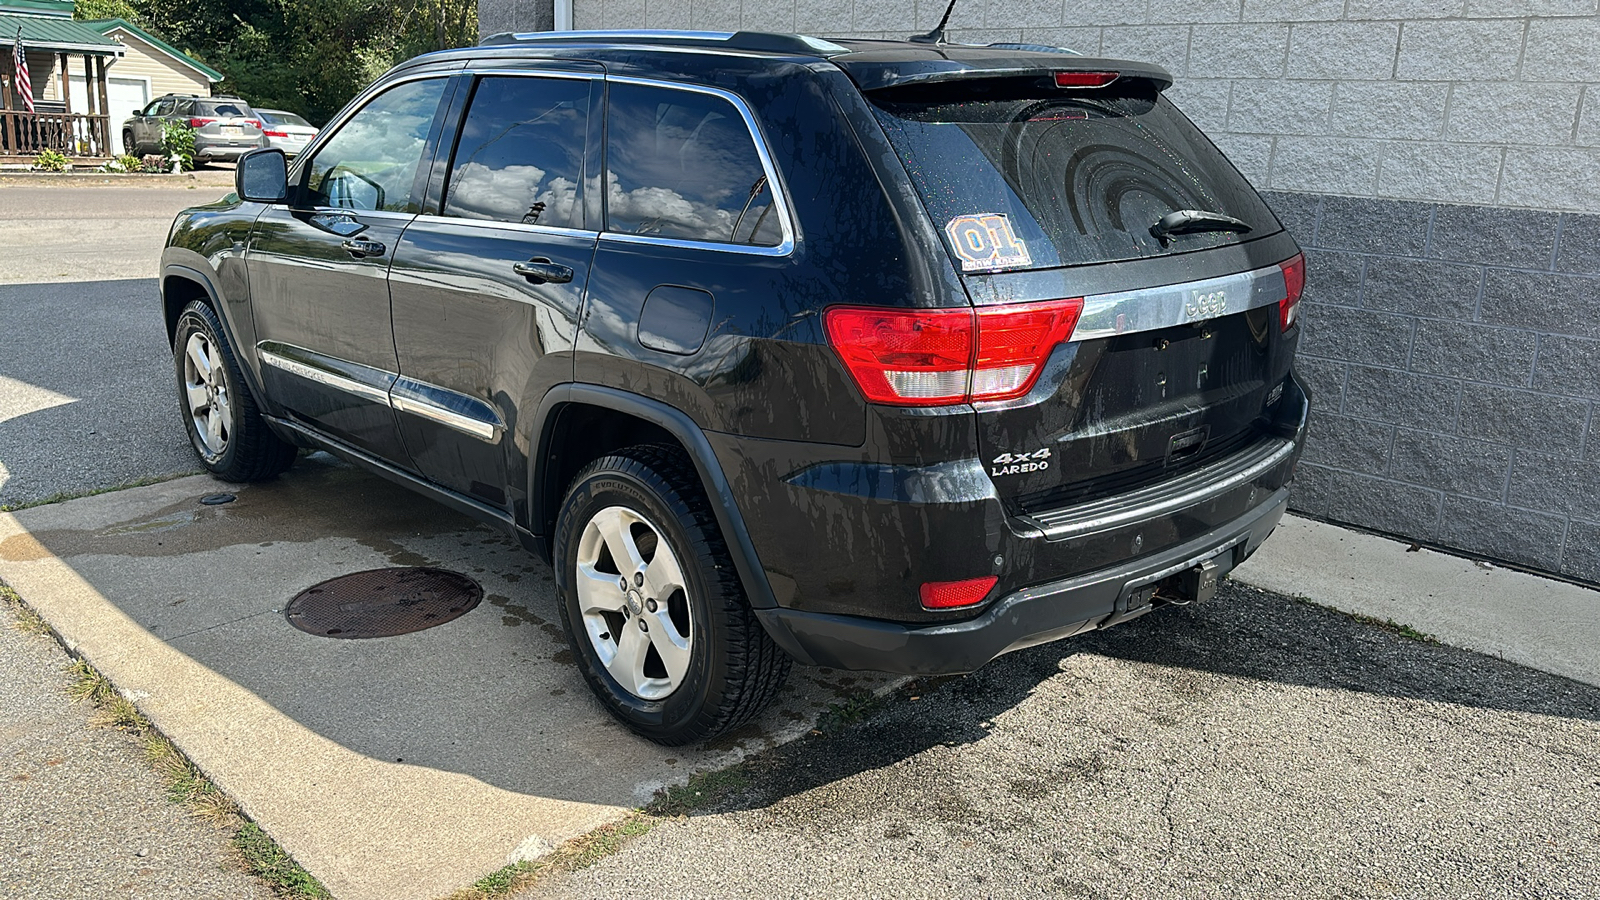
72,134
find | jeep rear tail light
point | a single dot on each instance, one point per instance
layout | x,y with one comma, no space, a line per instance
1085,79
1294,282
905,357
939,357
1013,343
956,594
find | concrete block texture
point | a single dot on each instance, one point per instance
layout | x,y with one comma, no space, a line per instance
1486,102
1453,357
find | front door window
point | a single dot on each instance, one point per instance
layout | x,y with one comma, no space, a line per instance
372,163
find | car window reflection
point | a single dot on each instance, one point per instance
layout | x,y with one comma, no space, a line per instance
520,154
371,163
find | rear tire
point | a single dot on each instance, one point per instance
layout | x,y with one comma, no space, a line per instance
220,415
661,627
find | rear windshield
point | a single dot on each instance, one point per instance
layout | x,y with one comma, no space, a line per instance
1021,179
282,118
222,109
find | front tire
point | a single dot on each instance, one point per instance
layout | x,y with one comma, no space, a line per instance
224,424
129,145
654,609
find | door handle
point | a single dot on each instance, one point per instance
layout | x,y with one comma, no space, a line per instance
361,249
540,270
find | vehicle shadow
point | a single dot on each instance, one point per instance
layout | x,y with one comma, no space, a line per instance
1244,636
87,400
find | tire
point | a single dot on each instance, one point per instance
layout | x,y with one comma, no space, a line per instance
730,669
129,145
220,415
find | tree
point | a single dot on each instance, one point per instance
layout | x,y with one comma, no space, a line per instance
308,56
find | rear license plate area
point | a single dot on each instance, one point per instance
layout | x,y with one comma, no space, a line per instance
1192,581
233,131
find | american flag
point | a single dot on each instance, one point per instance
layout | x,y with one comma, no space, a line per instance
23,83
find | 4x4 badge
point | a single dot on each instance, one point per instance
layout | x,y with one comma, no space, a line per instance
1021,463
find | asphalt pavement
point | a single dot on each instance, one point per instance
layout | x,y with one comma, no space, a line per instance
1250,747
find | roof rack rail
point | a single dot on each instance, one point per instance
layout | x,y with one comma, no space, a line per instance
757,41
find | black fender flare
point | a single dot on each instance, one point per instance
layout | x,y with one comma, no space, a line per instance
245,355
678,424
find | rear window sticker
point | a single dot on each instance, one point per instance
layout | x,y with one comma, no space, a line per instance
985,242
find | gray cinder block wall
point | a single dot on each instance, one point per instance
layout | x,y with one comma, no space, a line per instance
1440,163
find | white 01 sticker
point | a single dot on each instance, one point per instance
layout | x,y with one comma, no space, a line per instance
986,242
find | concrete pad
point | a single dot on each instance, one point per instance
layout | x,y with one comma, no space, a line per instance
1550,625
391,768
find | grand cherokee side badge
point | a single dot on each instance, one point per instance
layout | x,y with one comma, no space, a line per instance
1021,463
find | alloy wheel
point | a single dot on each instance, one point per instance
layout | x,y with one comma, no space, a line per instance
206,392
634,601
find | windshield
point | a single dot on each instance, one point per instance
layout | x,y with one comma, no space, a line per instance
1036,181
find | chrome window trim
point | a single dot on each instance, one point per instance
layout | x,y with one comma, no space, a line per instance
275,354
780,197
522,227
1155,308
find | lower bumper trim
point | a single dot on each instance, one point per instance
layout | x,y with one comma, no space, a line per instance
1022,619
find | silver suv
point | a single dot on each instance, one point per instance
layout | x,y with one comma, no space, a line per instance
225,128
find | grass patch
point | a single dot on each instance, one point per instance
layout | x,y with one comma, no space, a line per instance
258,853
702,790
266,860
855,708
75,495
27,621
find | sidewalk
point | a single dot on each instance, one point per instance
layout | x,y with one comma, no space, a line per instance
1542,623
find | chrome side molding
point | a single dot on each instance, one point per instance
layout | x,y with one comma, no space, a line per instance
1152,309
452,409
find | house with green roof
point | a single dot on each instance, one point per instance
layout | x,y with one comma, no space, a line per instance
87,78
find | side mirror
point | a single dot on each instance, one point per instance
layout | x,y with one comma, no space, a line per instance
262,176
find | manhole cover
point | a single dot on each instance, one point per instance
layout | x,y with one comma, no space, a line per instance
383,602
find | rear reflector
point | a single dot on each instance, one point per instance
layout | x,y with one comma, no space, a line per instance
929,357
1294,282
1085,79
956,594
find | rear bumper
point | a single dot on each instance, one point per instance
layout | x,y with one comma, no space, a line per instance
1021,619
845,547
224,151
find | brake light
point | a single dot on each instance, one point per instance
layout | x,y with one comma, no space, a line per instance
282,134
252,123
956,594
939,357
1085,79
1294,282
198,122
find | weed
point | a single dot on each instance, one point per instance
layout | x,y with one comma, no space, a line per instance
50,161
266,860
186,785
27,621
65,495
1396,628
702,790
578,853
854,708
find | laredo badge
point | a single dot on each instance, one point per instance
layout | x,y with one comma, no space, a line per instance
1021,463
985,242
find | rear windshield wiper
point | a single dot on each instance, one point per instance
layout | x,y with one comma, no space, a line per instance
1193,221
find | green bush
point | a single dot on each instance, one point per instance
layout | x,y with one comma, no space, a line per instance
50,161
177,139
130,163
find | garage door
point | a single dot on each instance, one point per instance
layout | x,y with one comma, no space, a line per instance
124,95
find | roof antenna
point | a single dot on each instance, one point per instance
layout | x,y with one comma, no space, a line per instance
936,36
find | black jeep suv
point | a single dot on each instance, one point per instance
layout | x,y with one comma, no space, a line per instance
869,354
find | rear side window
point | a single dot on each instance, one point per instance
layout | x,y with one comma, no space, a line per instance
1027,179
682,164
520,154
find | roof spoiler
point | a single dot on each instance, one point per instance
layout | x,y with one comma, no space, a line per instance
881,74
